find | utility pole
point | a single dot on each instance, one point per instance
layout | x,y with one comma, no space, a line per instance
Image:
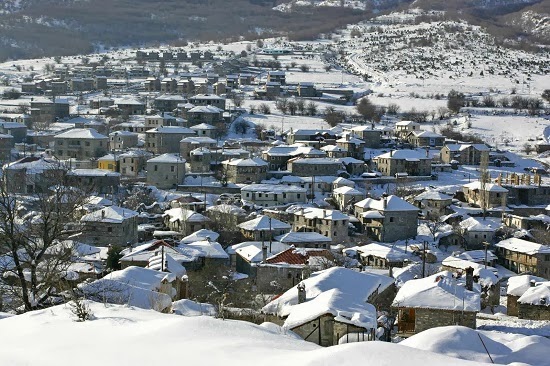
424,259
485,244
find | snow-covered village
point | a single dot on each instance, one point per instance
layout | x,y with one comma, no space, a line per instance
379,195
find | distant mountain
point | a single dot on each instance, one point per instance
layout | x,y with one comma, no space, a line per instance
33,28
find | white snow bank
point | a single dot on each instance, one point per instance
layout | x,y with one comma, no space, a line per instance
139,337
466,343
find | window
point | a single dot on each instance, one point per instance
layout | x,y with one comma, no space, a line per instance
109,229
391,219
547,258
298,195
87,143
156,168
172,168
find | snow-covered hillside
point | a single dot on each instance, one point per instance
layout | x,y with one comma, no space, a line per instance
125,336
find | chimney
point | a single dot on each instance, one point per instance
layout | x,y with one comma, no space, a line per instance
102,214
385,202
469,279
391,153
532,283
301,293
427,152
264,253
324,213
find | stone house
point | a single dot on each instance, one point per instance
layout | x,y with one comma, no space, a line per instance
166,139
403,128
129,106
276,76
332,303
159,120
96,180
352,166
354,147
411,162
168,103
244,170
330,223
6,145
388,219
476,231
200,160
305,240
17,130
345,197
464,154
185,221
133,162
194,142
46,110
316,137
120,140
165,171
433,203
306,89
32,174
527,193
80,144
522,256
308,167
273,194
205,130
492,195
379,255
425,139
208,100
263,228
517,286
204,114
371,135
278,156
534,304
111,225
335,152
436,301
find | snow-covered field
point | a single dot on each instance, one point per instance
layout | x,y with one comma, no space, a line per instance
119,335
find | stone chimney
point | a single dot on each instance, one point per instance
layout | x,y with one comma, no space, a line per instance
469,279
301,293
532,283
385,202
102,214
264,253
391,153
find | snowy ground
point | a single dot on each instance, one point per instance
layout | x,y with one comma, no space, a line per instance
119,335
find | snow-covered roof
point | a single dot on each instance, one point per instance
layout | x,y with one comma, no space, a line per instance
81,133
458,263
432,196
167,158
345,190
34,164
169,265
523,246
134,286
302,237
208,249
319,213
538,295
439,291
338,291
183,214
272,188
110,214
477,256
200,235
489,187
264,223
387,252
203,126
409,155
517,285
225,208
391,203
172,129
479,224
252,250
186,307
254,162
205,109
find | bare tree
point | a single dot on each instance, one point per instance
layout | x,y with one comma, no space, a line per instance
33,227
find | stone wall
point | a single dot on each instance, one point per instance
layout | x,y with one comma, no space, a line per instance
431,318
534,312
512,305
